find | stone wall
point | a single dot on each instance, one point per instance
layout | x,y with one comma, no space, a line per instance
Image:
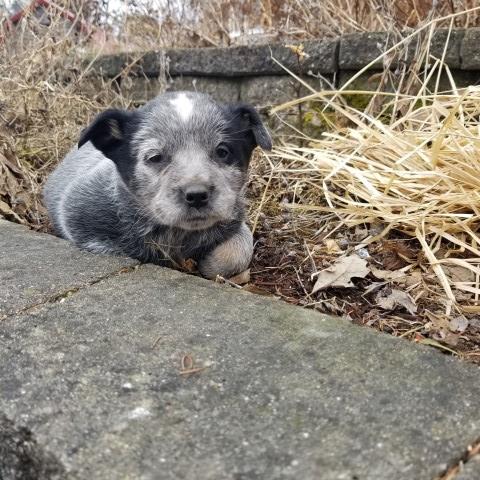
254,74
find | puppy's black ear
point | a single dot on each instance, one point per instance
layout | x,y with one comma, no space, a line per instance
108,131
250,119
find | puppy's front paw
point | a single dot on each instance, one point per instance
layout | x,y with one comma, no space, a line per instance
230,257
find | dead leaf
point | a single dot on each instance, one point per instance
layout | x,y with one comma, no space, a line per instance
448,338
373,287
360,234
299,51
458,324
413,279
189,265
14,168
388,275
437,322
395,254
395,298
459,274
371,317
340,274
332,246
8,213
241,278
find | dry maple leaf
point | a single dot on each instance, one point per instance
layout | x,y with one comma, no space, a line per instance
340,274
189,265
8,213
396,298
395,254
299,51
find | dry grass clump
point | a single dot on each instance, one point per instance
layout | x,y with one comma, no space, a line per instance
395,186
46,97
206,23
418,176
152,24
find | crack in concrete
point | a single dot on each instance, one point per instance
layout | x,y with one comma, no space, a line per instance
456,465
62,295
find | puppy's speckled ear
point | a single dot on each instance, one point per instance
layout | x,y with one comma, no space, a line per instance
251,120
108,131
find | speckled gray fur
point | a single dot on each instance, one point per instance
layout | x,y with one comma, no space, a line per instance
125,189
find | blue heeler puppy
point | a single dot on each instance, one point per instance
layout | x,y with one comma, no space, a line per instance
162,184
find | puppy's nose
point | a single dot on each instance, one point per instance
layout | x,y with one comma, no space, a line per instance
197,196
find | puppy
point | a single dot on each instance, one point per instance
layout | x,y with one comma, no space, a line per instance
161,184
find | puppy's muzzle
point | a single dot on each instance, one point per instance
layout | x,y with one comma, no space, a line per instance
197,196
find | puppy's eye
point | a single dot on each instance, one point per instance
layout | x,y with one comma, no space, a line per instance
156,158
222,152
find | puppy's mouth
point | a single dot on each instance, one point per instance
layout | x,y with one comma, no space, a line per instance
198,221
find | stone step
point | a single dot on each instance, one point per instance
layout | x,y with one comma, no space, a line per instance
95,386
35,267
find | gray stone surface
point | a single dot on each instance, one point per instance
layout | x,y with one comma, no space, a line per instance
349,52
22,458
249,73
254,60
224,62
359,49
453,52
470,52
35,267
142,64
287,393
470,471
267,90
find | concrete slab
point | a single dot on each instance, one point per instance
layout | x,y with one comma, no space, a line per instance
36,267
286,393
470,471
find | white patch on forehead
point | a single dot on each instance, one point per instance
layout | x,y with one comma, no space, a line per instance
183,106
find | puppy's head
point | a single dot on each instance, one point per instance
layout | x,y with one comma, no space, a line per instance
183,156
